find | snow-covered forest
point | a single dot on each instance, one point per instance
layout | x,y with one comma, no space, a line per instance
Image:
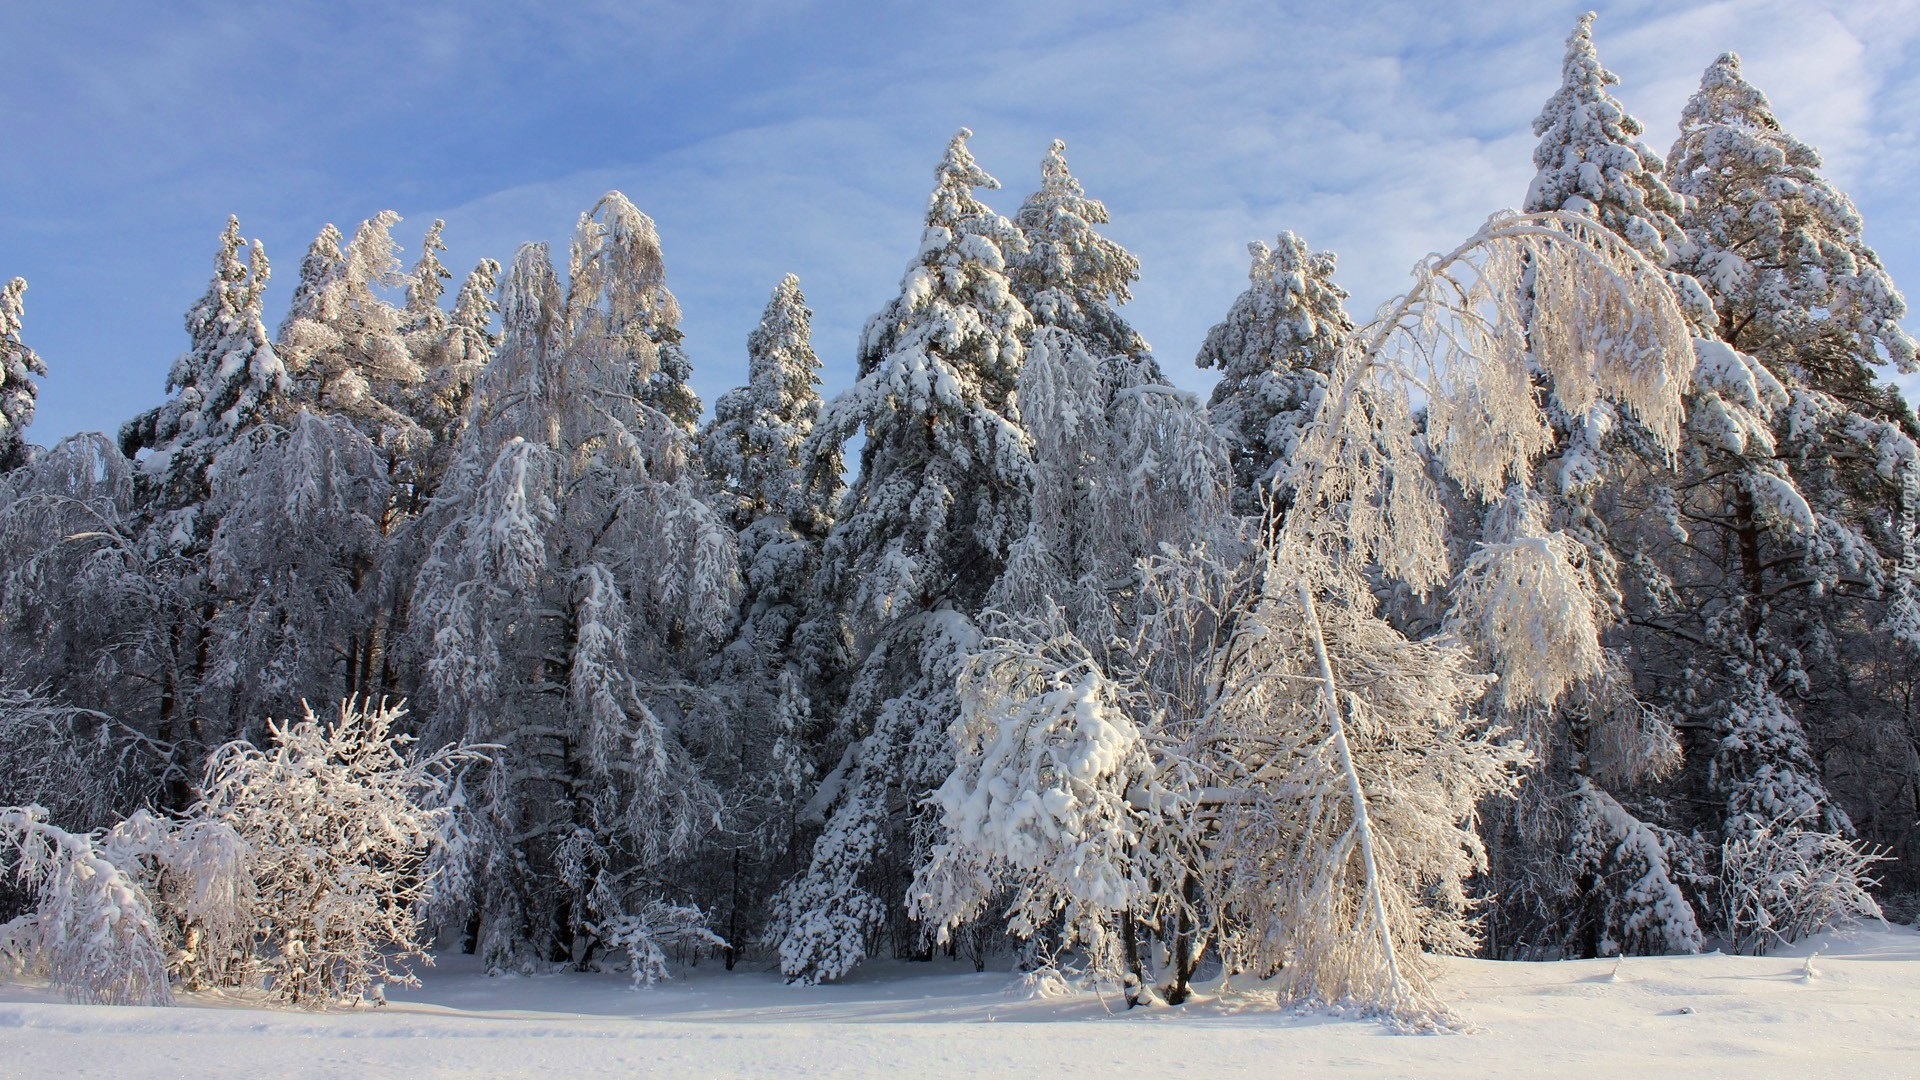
1563,608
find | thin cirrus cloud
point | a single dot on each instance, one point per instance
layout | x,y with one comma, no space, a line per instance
766,138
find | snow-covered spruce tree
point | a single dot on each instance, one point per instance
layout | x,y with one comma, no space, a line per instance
227,383
1590,159
1327,768
1124,466
338,820
1123,462
1569,869
229,380
576,577
18,366
1273,351
762,733
661,383
1787,571
920,539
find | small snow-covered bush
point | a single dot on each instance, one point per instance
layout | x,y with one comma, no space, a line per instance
646,936
1781,880
92,930
340,820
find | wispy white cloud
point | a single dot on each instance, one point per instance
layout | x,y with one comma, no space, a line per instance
770,137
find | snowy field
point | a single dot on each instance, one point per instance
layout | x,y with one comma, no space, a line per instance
1858,1016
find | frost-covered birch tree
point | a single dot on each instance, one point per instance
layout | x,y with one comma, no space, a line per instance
920,539
576,575
18,366
1303,796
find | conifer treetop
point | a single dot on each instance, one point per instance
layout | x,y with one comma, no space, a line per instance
229,380
1071,276
1777,245
17,364
1591,160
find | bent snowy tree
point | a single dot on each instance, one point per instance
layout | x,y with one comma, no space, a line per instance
1332,764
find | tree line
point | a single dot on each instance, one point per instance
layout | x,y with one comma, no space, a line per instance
1566,608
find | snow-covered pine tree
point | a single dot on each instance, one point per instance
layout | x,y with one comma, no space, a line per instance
426,284
1558,850
920,539
1125,467
762,737
576,577
1273,351
1791,553
1071,277
18,366
450,350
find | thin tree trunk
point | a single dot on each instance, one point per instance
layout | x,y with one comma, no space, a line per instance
1362,822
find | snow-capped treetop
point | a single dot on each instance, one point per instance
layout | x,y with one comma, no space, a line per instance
17,390
1274,350
342,343
229,380
426,283
945,468
316,297
756,446
1779,248
452,355
1591,160
617,275
1071,276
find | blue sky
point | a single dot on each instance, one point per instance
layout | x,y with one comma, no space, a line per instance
772,137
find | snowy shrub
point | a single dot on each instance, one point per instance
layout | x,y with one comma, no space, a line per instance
339,819
1781,880
92,930
658,926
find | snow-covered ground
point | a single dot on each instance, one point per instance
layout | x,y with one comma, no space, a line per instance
1857,1016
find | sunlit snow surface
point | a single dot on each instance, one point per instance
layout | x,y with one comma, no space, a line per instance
1857,1016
